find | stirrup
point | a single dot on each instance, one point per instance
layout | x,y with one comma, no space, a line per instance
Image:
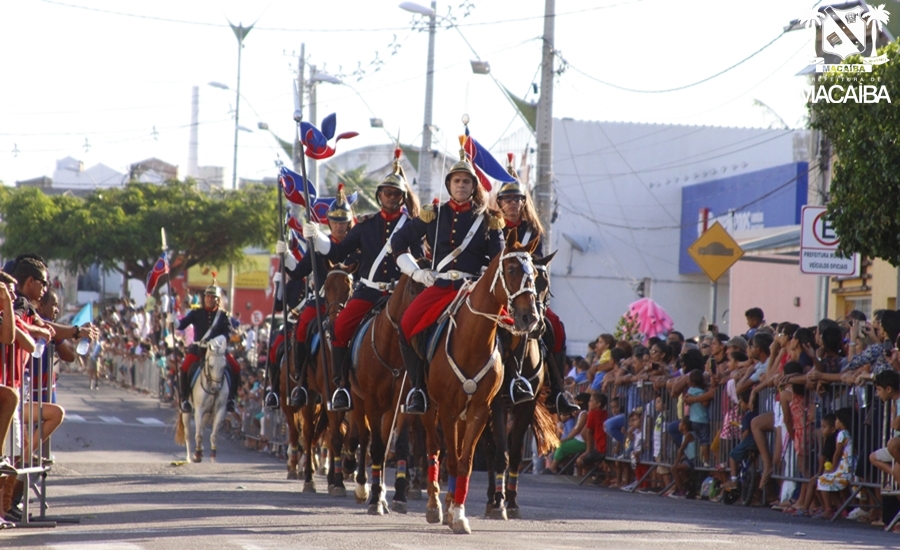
272,401
299,397
520,390
411,407
564,403
340,400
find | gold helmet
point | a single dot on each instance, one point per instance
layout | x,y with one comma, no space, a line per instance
512,188
396,179
340,210
462,166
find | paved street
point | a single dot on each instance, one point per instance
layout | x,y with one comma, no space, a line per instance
114,470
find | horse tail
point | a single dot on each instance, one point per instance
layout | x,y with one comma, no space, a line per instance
180,438
544,426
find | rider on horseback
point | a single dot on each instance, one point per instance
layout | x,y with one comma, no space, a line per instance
288,295
340,220
209,322
463,237
519,213
378,268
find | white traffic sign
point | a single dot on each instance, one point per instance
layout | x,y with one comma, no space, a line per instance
818,246
256,317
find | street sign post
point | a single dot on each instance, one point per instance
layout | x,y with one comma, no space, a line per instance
818,246
256,317
715,251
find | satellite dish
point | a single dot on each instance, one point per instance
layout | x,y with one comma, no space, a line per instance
704,324
575,242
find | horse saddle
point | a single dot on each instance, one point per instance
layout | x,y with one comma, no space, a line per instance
313,338
368,319
425,343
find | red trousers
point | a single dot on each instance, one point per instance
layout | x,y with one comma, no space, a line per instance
348,321
307,316
559,330
425,309
273,351
190,359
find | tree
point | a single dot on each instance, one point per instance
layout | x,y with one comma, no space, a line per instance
119,228
865,191
356,181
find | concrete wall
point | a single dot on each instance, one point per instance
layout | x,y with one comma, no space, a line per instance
774,288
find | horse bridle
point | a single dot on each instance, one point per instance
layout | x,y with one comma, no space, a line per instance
525,286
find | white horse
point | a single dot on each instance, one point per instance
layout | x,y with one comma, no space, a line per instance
209,396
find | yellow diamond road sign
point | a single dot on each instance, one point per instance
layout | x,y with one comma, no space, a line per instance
715,251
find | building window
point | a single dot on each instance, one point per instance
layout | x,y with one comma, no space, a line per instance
861,304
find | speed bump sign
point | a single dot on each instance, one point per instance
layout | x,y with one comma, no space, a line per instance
715,251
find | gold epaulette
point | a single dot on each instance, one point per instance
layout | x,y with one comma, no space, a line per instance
427,213
363,217
496,221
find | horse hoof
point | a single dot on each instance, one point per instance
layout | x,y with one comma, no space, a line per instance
513,513
434,515
198,458
293,475
375,509
399,506
362,493
309,487
414,494
498,513
459,523
338,491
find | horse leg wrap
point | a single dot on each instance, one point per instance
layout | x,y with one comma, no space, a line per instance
513,483
432,468
451,485
462,490
376,475
401,469
294,450
498,483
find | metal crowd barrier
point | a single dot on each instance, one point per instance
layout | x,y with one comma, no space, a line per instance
869,432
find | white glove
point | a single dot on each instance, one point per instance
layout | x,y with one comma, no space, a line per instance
281,247
276,279
290,262
424,276
310,230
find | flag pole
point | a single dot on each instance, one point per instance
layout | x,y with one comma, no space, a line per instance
311,245
284,305
170,307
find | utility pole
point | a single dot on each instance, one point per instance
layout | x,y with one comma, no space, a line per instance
543,189
301,67
424,169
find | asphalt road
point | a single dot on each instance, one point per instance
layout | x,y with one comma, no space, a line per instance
114,472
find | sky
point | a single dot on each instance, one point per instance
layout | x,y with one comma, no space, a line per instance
110,81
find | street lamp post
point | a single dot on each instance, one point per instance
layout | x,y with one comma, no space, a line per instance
240,32
424,169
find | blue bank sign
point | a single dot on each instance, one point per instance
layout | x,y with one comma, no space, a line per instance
768,198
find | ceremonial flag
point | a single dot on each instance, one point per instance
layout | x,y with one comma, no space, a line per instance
160,268
293,190
485,163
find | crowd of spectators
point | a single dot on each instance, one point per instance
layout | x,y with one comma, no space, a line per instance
815,409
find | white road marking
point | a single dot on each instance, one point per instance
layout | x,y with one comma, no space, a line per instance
96,546
111,419
151,421
72,417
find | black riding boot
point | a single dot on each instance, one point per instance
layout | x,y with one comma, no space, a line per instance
233,384
340,401
416,401
558,398
184,385
299,395
273,398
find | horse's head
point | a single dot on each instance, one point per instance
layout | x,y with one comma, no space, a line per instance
337,288
516,273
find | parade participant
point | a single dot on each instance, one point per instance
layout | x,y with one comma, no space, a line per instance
288,299
340,220
463,237
377,267
519,213
209,321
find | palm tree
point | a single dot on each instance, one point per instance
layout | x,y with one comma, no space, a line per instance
876,17
356,180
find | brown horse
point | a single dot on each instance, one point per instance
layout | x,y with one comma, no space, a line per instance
504,441
466,372
309,420
379,382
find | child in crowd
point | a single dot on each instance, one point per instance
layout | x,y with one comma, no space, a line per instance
837,478
594,436
572,442
661,476
684,459
887,386
804,507
747,444
698,399
634,444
